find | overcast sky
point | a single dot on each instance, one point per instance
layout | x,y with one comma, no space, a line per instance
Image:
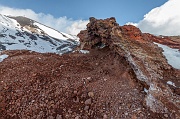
72,15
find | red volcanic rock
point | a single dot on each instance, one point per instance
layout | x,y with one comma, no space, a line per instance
103,31
171,41
144,57
98,32
132,32
106,31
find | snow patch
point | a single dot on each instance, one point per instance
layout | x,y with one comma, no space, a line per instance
51,32
145,90
2,57
171,83
172,55
84,51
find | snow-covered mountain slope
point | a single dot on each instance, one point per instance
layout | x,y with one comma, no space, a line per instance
23,33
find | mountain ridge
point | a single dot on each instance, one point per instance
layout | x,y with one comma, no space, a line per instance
28,35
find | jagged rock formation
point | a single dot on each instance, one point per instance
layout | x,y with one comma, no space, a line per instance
144,57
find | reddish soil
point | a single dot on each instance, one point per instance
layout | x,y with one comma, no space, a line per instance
81,86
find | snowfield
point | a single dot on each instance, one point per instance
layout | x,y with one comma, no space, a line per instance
172,55
33,36
51,32
2,57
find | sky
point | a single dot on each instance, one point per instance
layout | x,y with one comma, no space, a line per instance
71,16
123,10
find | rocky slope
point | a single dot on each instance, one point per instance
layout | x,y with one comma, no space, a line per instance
171,41
144,57
125,75
24,33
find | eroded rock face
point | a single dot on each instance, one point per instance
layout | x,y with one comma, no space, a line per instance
144,57
101,31
98,32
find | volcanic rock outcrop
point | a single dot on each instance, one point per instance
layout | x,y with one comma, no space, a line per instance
144,57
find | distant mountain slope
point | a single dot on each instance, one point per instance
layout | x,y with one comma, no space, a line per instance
24,33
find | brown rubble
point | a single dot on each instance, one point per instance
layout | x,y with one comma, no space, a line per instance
96,85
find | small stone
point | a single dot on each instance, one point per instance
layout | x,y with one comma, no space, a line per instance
134,116
88,78
41,105
75,92
166,115
51,102
126,113
52,105
69,111
105,116
86,108
40,115
18,104
91,94
59,116
129,105
76,100
105,79
88,101
77,117
46,101
50,117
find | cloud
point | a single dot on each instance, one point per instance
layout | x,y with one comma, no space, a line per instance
76,26
131,23
62,24
163,20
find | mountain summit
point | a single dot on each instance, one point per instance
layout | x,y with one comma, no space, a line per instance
23,33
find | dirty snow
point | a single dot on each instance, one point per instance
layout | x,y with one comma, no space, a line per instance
172,55
171,83
145,90
84,51
2,57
